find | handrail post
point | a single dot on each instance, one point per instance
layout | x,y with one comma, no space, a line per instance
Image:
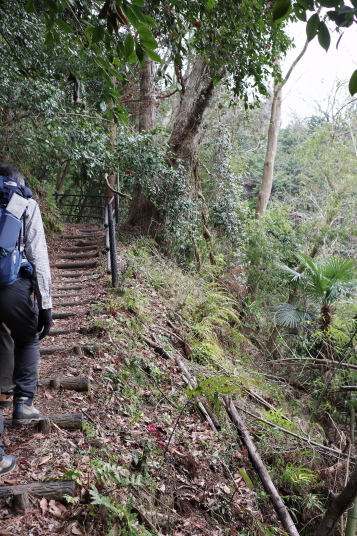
113,249
116,201
102,210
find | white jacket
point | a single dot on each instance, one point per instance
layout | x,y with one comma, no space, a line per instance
35,251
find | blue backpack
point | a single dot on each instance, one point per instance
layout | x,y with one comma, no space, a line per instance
13,206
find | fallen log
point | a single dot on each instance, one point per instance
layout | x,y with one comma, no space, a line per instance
278,504
80,383
20,501
69,421
51,490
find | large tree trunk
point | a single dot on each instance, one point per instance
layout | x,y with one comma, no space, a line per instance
273,132
194,101
143,213
184,139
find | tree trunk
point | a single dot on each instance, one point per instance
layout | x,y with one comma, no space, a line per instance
147,112
194,101
112,143
143,213
61,177
273,132
338,505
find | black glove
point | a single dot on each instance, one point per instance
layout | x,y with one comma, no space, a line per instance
44,322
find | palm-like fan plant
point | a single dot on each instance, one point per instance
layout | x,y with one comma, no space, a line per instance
324,282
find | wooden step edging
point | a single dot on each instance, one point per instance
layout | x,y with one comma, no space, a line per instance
56,489
67,421
82,274
63,331
67,288
82,243
80,383
74,265
79,350
64,295
80,237
80,249
49,351
80,256
71,304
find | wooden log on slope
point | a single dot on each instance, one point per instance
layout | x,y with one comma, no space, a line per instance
69,421
74,265
79,256
51,490
80,249
80,383
278,504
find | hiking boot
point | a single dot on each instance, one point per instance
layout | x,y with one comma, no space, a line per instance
7,464
24,412
6,399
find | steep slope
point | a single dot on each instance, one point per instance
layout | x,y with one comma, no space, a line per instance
147,453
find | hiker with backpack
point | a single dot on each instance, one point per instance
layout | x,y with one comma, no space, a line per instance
24,269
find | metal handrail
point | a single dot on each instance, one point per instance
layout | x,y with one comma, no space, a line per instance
110,217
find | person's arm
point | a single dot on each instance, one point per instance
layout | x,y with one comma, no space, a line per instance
35,250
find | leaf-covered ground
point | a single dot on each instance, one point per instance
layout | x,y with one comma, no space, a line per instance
147,461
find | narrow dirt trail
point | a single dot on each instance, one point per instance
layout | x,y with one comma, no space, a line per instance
68,363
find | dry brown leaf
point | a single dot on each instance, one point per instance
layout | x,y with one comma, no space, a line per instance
44,505
76,530
45,459
56,508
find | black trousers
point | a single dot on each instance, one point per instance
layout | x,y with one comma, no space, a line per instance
20,314
6,359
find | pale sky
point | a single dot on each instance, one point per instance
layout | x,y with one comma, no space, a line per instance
314,76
